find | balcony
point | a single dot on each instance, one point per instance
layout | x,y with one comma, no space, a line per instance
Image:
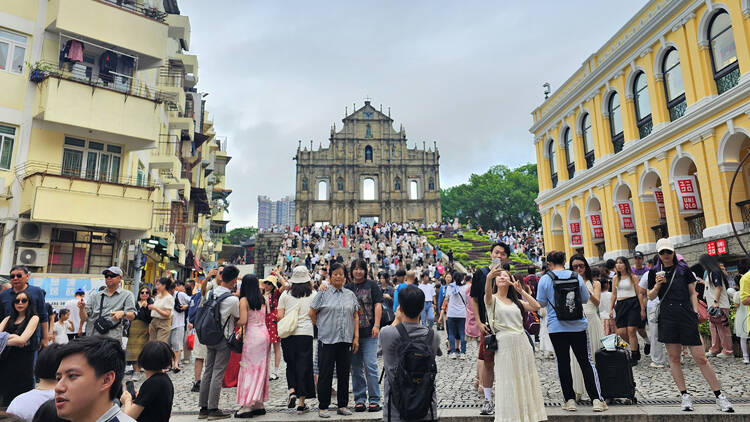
179,29
744,207
171,83
190,61
138,29
122,110
118,202
166,156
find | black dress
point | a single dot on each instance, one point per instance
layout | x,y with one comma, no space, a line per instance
17,364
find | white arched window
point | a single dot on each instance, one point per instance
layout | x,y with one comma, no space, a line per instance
570,160
322,190
615,122
368,189
723,52
674,88
552,162
642,105
588,140
413,190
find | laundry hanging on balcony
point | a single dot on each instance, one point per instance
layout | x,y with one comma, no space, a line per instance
107,64
72,52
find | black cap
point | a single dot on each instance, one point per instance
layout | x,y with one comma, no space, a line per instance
638,254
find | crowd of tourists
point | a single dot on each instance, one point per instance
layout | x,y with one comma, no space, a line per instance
340,298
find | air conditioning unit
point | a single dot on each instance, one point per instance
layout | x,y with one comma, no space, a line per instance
32,257
32,231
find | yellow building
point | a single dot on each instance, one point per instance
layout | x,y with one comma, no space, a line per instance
643,140
103,137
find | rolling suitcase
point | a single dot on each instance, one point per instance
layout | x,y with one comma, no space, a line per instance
615,375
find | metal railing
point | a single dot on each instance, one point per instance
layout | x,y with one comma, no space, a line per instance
660,231
134,7
78,72
162,217
28,169
696,225
744,207
589,159
169,145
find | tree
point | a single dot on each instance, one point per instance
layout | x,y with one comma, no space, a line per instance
239,235
498,199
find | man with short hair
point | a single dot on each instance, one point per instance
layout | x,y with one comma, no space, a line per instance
407,314
19,279
112,304
409,277
89,376
427,317
217,356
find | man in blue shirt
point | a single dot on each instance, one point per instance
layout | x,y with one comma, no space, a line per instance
19,278
411,278
566,335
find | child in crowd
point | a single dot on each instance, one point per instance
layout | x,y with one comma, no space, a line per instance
62,326
606,298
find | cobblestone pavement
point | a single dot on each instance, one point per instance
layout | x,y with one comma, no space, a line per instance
455,382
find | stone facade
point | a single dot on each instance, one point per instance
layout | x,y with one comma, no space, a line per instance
367,171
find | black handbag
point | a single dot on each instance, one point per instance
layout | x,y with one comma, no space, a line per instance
102,324
490,341
234,342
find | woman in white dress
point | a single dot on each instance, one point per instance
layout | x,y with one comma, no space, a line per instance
518,393
591,311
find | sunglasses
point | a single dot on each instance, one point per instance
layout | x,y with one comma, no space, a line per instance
665,252
144,292
16,275
577,266
110,275
21,301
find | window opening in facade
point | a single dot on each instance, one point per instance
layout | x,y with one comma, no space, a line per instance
368,153
642,105
588,141
322,191
723,52
413,190
552,163
7,139
673,85
569,154
12,51
368,189
91,160
615,122
80,252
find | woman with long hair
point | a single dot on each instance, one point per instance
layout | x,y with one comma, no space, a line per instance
716,297
161,312
138,332
672,281
595,328
298,347
252,383
625,306
518,392
17,364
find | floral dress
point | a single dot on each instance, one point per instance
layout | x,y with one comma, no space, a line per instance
272,317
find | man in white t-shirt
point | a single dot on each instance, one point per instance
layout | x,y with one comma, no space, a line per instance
657,349
75,317
427,316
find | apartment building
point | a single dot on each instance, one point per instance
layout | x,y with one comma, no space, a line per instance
108,155
643,141
270,212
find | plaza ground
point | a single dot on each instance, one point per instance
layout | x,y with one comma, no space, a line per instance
457,400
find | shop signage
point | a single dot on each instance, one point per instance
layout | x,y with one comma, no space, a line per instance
687,195
595,221
659,195
576,239
625,211
711,248
716,247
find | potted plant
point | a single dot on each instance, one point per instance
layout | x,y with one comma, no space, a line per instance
39,71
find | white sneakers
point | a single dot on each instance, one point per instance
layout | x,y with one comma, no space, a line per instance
724,404
570,405
656,365
453,355
600,406
462,356
687,403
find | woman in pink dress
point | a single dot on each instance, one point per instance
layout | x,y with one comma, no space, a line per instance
252,384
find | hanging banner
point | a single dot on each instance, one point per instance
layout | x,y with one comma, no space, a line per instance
595,221
687,195
576,238
625,211
659,195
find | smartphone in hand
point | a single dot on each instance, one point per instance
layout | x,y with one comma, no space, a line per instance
131,388
496,262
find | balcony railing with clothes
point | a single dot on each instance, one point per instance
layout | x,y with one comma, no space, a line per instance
745,212
78,72
696,225
28,169
139,9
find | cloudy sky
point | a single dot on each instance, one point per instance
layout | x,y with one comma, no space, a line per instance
465,74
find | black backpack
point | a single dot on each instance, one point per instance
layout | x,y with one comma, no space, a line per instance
568,305
208,324
414,382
